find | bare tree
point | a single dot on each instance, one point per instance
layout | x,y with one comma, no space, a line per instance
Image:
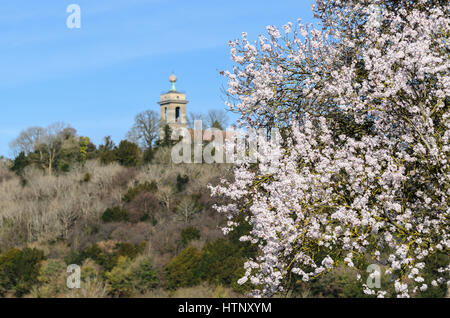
187,208
217,119
166,195
145,129
192,117
28,140
52,142
47,142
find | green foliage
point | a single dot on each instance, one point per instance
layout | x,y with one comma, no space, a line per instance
189,234
245,249
339,283
182,270
20,163
222,263
128,154
150,187
216,124
87,150
19,270
148,155
103,258
129,250
119,279
166,141
49,269
434,262
127,277
52,279
69,152
115,214
107,151
92,252
144,276
65,150
182,181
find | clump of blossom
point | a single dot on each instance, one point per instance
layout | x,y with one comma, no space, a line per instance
363,169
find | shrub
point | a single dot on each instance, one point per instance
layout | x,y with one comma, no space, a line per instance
182,270
115,214
19,270
166,141
128,154
92,252
128,277
52,280
129,250
150,187
144,276
20,163
149,153
245,249
339,283
221,263
107,151
182,181
107,259
189,234
119,279
92,284
434,262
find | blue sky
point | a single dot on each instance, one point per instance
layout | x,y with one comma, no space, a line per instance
99,77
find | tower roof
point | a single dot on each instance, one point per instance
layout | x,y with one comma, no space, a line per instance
173,96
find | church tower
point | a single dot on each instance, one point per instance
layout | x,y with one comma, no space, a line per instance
173,108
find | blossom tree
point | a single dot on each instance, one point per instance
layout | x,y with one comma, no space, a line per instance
362,103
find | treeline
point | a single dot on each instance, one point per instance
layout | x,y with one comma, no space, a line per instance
59,150
56,148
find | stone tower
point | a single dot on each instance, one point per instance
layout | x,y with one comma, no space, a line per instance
173,108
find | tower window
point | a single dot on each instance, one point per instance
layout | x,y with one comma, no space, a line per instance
165,113
177,114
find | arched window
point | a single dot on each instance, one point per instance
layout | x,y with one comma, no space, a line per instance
165,113
177,114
